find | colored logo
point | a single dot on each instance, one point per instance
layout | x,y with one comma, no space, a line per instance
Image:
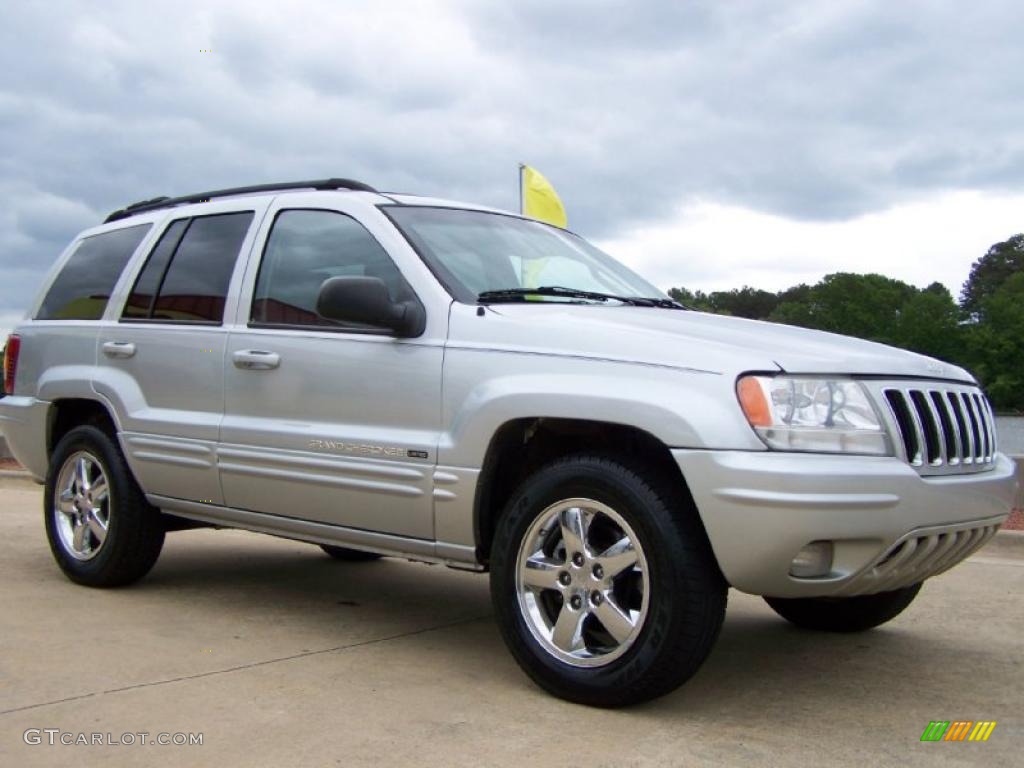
958,730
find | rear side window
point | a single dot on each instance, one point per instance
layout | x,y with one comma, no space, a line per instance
186,277
305,248
140,302
83,287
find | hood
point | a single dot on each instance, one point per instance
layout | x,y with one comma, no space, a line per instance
686,339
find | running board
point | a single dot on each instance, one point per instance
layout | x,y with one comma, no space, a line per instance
453,555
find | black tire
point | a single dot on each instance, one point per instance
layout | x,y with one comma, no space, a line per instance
349,555
687,593
844,614
135,531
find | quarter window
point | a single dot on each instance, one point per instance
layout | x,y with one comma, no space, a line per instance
186,277
307,247
82,289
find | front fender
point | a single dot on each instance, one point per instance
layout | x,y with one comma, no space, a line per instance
681,408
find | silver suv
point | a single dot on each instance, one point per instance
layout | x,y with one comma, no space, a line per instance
385,374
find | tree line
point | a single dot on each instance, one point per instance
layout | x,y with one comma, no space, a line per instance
983,331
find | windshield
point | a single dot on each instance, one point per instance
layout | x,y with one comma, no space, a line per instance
473,252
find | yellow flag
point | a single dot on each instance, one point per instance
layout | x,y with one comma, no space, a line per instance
540,201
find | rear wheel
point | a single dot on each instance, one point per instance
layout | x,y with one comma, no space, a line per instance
101,529
844,614
603,583
349,555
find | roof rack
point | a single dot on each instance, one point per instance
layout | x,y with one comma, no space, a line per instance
157,203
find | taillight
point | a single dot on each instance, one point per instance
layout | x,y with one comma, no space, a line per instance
11,362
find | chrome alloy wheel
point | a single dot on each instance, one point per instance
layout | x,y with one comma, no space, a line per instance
81,505
582,582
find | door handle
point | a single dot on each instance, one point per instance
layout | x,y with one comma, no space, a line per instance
118,349
256,359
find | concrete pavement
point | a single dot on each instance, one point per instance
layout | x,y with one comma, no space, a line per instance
281,656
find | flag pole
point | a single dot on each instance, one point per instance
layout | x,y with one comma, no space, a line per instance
521,166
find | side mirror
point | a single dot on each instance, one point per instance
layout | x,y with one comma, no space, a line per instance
366,300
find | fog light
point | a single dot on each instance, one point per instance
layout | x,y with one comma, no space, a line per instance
813,560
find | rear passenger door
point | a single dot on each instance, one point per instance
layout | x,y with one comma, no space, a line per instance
325,421
161,363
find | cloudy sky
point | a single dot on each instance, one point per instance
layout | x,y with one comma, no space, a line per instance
707,144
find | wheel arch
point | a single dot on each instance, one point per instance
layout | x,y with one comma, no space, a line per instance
522,445
65,414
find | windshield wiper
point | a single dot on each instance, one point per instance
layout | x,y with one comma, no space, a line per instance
520,294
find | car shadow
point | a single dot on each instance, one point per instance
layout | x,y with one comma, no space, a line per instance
759,662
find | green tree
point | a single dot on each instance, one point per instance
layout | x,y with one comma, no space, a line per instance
795,306
996,344
866,306
990,271
693,299
985,334
800,293
752,303
929,324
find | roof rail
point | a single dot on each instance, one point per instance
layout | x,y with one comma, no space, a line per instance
156,203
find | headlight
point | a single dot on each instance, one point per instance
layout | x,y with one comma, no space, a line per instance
799,413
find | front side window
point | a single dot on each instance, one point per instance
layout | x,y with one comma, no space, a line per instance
307,247
475,251
186,277
82,289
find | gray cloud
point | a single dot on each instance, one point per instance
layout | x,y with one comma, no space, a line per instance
814,111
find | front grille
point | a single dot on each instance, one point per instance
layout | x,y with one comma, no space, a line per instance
943,429
920,555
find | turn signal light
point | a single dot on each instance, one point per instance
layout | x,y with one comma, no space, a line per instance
753,401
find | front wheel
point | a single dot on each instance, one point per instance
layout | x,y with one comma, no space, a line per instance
844,614
603,582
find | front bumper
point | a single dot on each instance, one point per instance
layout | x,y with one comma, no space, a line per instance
889,526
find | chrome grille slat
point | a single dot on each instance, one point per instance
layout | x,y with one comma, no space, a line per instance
957,435
986,427
990,416
932,437
939,428
982,447
943,429
972,418
968,428
922,449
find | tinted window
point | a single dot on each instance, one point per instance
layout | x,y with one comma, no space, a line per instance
190,272
83,287
304,249
140,302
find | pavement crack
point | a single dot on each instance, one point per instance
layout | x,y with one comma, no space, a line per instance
250,665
